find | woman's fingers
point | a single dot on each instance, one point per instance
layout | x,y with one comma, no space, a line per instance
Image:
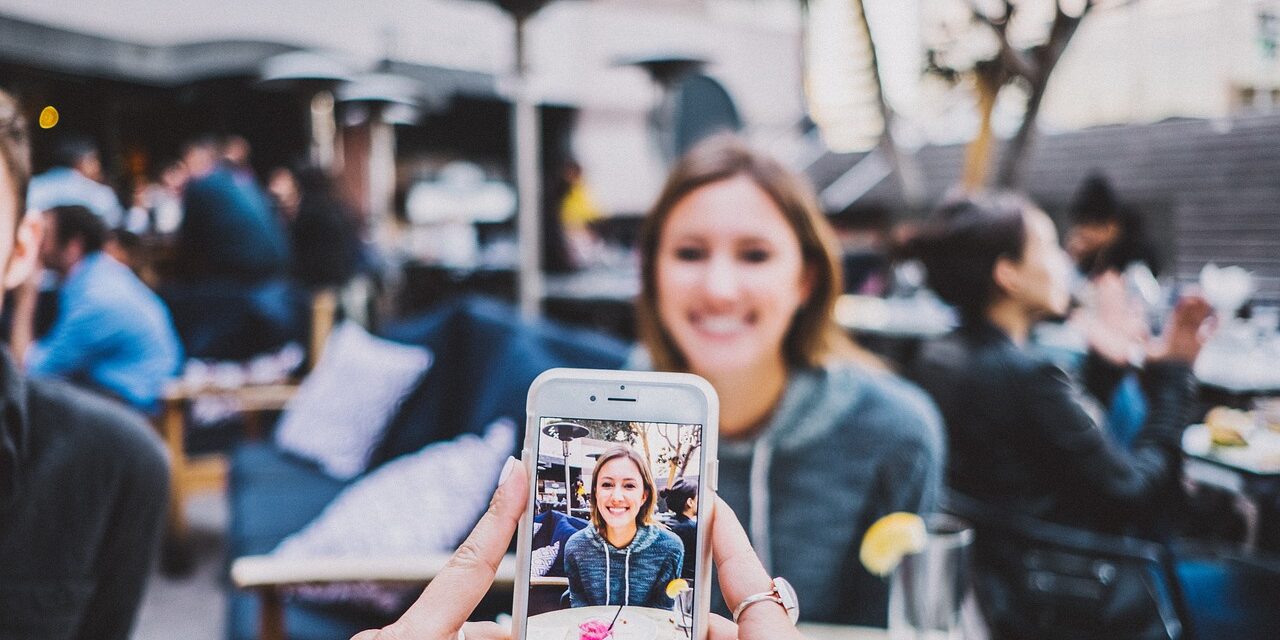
719,628
454,593
737,564
485,631
742,575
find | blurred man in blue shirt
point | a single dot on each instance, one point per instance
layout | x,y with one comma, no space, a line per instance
112,333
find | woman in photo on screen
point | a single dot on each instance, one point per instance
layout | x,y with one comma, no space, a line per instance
740,275
624,557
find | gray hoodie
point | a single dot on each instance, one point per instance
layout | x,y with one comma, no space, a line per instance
636,575
845,446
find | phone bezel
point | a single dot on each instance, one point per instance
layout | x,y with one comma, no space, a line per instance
659,397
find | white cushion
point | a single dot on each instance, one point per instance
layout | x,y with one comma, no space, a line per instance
344,405
419,503
423,502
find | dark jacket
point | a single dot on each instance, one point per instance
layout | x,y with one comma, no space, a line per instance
686,529
83,491
1020,437
229,231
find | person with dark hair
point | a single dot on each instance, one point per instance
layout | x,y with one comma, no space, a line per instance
1105,234
323,231
76,180
682,501
112,333
83,481
1021,434
228,294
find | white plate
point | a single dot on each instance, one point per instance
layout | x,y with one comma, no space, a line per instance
1261,455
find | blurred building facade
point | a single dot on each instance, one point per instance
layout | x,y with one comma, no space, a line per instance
1154,59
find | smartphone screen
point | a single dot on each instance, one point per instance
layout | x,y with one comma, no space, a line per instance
615,530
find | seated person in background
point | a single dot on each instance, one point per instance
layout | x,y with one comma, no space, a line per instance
624,557
1020,435
112,333
323,230
83,481
228,295
740,275
1106,235
682,500
76,180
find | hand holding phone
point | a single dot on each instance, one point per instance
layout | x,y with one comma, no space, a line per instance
440,612
612,543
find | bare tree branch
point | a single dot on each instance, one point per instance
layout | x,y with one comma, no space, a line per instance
1017,61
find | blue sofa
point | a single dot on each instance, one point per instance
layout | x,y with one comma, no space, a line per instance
484,361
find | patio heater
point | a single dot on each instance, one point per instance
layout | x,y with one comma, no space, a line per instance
666,70
315,74
526,141
383,100
566,432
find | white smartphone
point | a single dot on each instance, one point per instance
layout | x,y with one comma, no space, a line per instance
613,544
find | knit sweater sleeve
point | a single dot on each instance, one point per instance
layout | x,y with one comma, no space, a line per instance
577,592
668,571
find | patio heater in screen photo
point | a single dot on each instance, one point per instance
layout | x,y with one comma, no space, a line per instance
566,432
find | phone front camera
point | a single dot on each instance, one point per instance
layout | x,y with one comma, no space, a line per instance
593,398
622,387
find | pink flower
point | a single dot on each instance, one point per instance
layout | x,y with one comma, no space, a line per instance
594,630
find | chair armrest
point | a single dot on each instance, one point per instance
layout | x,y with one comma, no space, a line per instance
549,581
251,572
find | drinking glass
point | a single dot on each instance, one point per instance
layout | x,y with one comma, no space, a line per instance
927,588
683,609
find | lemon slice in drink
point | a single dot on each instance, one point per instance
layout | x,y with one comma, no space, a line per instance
676,586
891,537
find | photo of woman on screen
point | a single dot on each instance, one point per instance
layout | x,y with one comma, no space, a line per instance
624,557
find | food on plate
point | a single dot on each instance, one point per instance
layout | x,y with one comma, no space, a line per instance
1227,427
594,630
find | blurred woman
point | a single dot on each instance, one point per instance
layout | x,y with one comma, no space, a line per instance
740,274
1022,434
624,557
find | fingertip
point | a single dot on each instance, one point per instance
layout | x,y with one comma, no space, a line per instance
719,628
512,492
